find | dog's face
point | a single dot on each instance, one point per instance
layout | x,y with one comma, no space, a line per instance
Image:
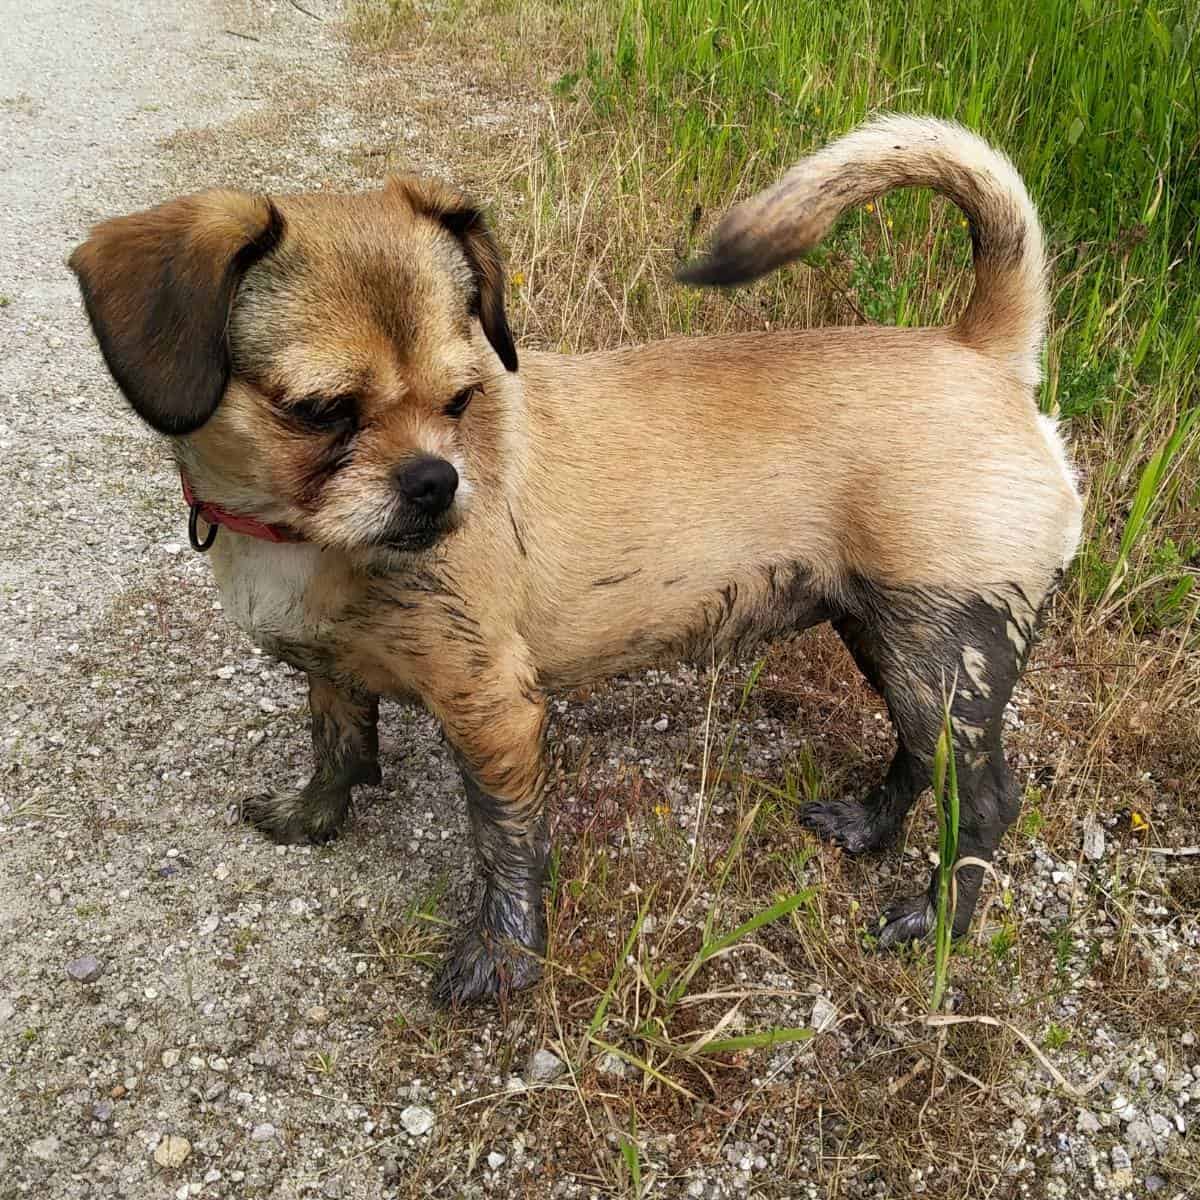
324,362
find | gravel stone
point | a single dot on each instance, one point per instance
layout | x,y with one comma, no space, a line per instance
173,1151
1138,1137
495,1160
417,1120
45,1148
86,969
262,1133
611,1064
824,1014
1093,839
545,1067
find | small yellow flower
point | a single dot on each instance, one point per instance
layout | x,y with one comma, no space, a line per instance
518,279
662,811
963,222
889,222
870,208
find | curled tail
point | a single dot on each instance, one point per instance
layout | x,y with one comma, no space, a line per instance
1006,315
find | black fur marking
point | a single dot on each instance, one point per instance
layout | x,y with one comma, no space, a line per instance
483,256
610,580
517,533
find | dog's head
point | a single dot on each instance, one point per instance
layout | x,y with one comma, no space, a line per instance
330,363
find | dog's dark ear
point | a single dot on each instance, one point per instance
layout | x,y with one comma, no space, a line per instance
158,286
452,210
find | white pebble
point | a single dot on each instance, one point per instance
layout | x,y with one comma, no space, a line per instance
417,1120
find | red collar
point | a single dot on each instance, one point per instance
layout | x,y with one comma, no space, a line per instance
213,517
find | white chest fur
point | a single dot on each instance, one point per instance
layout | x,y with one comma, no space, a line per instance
263,587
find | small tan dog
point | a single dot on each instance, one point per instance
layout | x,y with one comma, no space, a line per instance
408,515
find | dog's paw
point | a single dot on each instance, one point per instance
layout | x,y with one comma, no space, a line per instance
906,921
848,824
297,818
481,967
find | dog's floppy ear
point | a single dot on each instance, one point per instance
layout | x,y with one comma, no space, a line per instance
158,286
455,213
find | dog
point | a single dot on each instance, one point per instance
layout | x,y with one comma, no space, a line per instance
405,510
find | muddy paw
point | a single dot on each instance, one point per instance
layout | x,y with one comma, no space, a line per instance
482,966
848,824
291,818
906,921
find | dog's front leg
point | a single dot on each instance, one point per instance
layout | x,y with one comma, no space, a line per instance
346,752
499,746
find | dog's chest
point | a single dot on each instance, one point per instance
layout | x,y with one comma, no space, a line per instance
265,590
306,608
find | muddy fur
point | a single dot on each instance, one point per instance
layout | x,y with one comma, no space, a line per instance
690,498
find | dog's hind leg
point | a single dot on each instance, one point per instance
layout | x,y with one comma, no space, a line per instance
872,824
346,752
498,735
924,646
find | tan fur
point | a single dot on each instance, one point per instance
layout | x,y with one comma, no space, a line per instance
613,508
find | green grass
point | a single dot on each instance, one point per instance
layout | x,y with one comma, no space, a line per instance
1097,102
946,800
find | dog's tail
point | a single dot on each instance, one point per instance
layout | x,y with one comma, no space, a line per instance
1006,316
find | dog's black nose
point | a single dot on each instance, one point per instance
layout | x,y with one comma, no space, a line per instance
429,484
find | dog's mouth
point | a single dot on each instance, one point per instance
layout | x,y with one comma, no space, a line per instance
412,540
413,537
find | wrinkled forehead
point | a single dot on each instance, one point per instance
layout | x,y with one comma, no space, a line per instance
361,295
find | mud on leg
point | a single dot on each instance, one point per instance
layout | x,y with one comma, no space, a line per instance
502,949
924,645
346,753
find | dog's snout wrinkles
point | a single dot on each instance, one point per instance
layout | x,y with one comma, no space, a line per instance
429,484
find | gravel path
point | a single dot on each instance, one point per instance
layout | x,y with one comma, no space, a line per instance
161,970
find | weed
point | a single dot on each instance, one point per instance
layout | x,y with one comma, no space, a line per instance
945,796
323,1062
1056,1037
244,939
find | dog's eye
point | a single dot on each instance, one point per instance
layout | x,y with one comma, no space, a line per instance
458,405
326,412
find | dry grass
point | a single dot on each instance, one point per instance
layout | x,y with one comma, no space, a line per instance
661,854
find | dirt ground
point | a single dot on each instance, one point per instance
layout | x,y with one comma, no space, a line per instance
187,1010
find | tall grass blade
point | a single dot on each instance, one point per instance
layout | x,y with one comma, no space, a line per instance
945,794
